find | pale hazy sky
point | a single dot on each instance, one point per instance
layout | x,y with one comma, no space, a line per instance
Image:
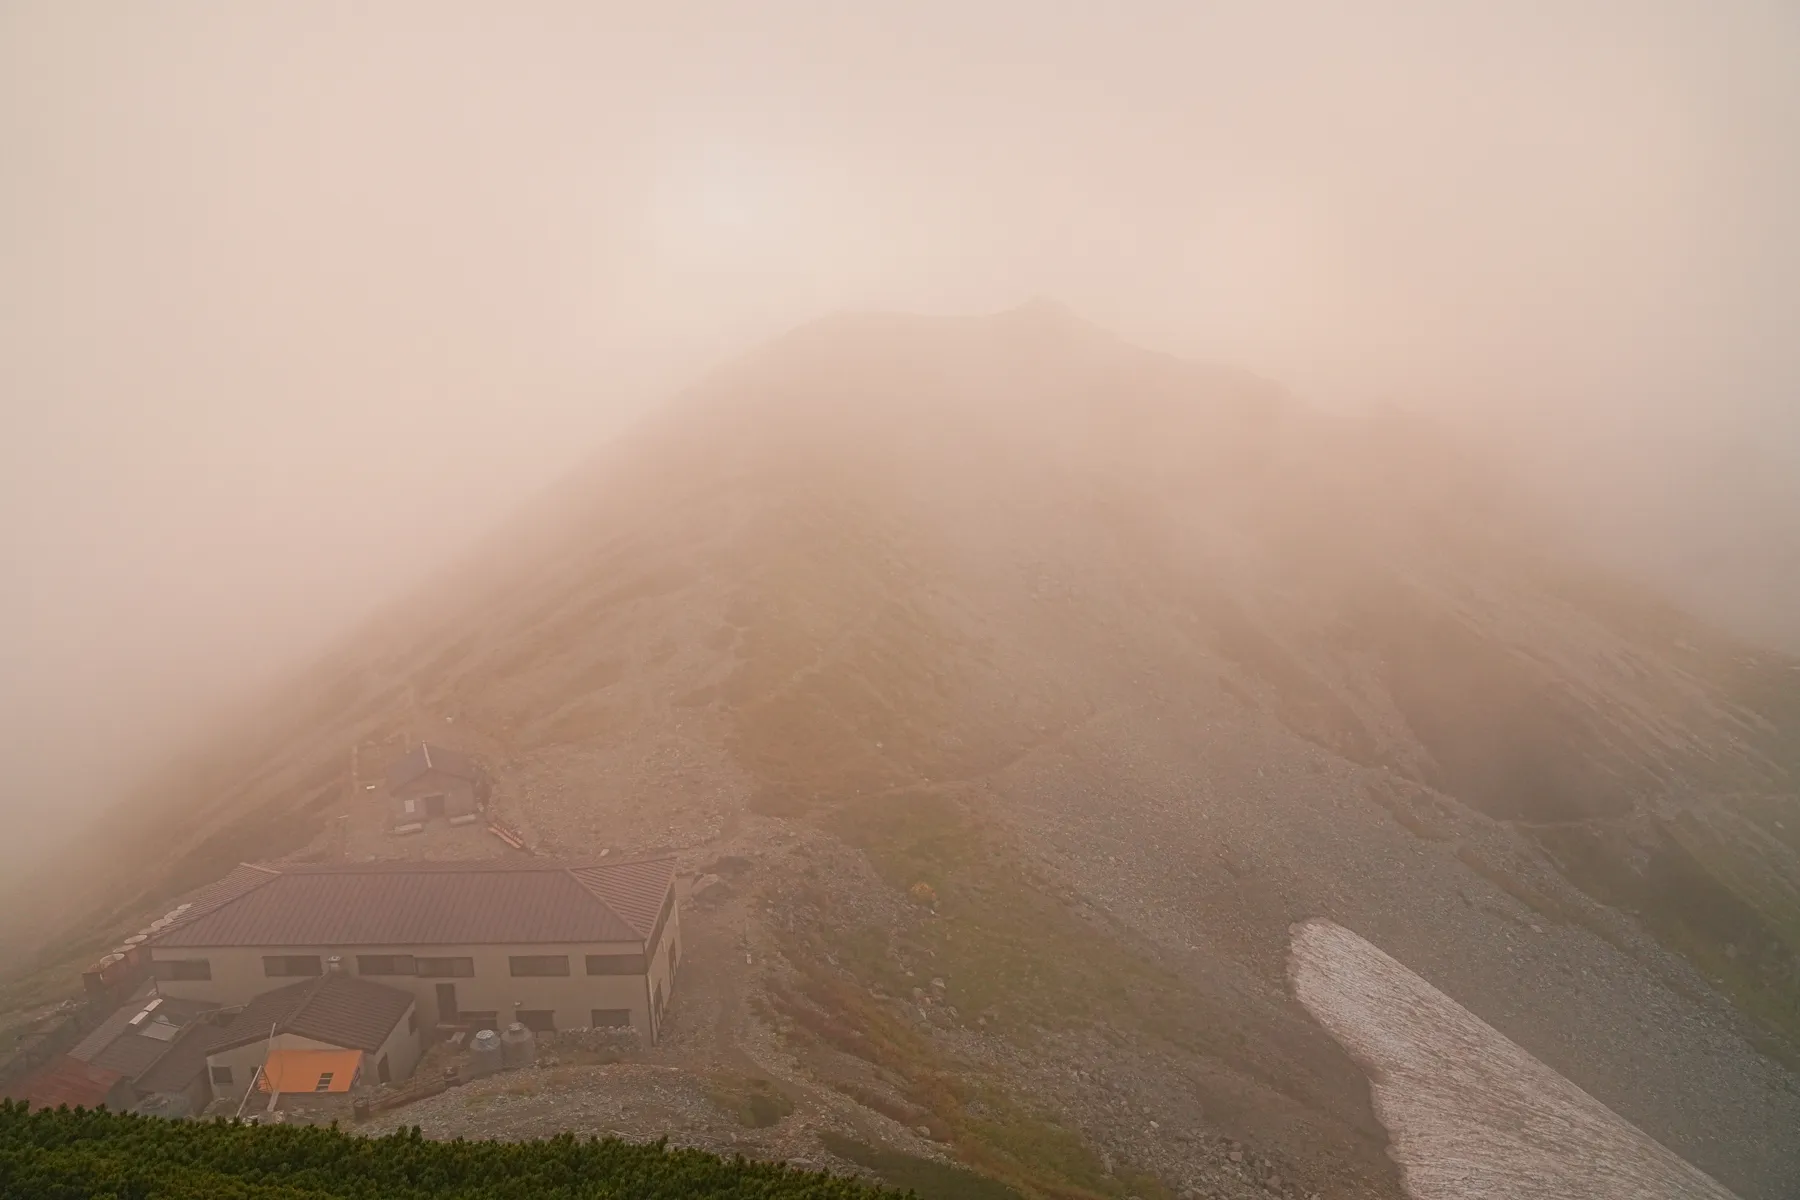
296,297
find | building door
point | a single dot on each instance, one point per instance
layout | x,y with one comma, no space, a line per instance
434,806
446,998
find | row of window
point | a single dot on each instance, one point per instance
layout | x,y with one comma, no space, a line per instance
284,966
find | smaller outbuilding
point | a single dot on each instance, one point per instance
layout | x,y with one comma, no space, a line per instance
329,1033
345,1031
433,783
138,1033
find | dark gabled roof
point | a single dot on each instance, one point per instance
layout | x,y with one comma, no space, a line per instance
488,902
65,1080
337,1009
427,757
117,1045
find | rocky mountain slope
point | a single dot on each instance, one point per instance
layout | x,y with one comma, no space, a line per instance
1029,686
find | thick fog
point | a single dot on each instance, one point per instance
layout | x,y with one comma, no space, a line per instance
295,299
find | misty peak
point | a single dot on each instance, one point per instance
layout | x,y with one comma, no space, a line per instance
1047,315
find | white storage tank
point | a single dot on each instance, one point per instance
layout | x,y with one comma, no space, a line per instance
519,1045
485,1054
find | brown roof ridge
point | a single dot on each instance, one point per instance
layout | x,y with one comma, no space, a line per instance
627,860
221,892
499,862
583,884
644,923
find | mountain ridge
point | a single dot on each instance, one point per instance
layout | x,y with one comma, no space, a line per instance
962,601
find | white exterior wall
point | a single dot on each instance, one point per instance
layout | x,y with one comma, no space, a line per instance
403,1050
237,978
662,968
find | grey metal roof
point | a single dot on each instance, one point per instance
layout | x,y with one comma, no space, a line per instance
427,757
182,1060
337,1009
491,902
117,1045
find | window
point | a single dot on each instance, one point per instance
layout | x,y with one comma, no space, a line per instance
411,805
539,964
616,964
412,1021
611,1018
324,1084
659,1001
182,968
381,1071
277,965
385,964
445,968
221,1076
538,1020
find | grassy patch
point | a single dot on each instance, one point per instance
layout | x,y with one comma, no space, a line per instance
1551,908
1006,944
1769,686
901,1111
756,1103
1415,814
1008,951
1775,1007
1736,918
1710,899
908,1172
1764,885
992,1132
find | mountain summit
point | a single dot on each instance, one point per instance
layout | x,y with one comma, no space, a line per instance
1029,686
